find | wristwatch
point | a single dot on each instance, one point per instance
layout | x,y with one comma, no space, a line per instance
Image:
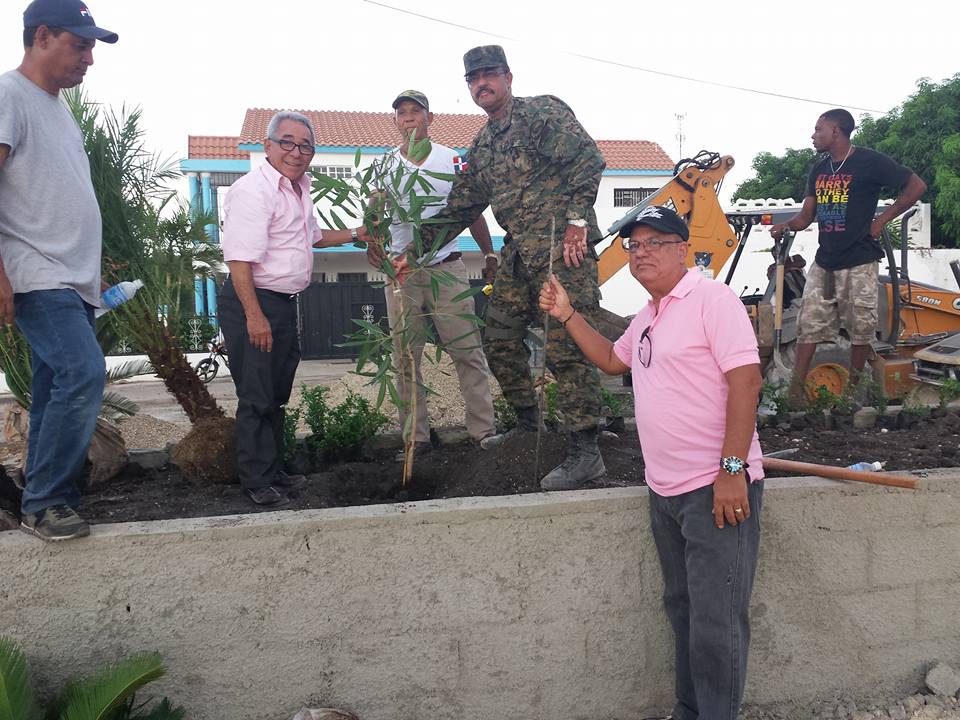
353,234
577,222
487,256
733,465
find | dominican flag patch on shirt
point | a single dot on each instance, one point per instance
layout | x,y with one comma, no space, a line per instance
460,164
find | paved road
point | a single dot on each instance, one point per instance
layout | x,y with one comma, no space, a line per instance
152,397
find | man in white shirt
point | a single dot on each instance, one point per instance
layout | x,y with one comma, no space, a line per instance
415,302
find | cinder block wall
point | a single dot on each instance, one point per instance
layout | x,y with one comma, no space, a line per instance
536,606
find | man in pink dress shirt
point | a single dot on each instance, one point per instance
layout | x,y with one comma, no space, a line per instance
696,380
269,233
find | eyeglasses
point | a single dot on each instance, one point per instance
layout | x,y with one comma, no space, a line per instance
288,145
648,245
484,74
646,347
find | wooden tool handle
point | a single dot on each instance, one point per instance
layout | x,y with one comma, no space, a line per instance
828,471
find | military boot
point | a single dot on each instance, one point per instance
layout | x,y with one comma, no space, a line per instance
583,463
528,420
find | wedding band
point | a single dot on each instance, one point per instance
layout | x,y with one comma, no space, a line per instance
738,510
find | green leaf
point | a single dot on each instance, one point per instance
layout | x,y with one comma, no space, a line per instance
468,293
356,158
129,369
16,694
114,405
340,224
94,698
448,177
435,288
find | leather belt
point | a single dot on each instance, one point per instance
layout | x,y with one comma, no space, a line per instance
451,257
280,295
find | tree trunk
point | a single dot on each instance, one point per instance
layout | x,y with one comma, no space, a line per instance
171,364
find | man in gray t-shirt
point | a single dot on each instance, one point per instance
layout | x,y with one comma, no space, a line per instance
50,239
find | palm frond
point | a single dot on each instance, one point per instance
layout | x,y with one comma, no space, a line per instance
94,698
163,711
129,369
114,405
16,695
16,364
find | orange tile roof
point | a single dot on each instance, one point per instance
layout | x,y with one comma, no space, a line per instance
338,128
634,155
215,147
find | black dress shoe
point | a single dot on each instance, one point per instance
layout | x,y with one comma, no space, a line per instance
268,496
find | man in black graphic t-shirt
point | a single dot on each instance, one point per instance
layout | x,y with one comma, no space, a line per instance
842,193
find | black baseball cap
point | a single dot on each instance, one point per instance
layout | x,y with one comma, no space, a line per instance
660,218
71,15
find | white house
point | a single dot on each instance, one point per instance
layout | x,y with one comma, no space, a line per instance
635,168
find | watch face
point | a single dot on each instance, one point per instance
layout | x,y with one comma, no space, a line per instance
732,465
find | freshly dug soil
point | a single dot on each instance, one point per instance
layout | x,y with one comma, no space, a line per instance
913,442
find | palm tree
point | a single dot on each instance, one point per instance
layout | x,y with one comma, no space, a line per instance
146,236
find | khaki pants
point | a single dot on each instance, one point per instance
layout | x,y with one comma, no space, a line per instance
460,337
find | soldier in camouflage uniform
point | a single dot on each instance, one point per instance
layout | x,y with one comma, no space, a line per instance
533,162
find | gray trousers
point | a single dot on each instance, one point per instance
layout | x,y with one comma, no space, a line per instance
708,577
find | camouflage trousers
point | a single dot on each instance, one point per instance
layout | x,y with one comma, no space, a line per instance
839,298
513,306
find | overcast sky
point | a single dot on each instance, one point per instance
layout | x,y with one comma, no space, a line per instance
194,67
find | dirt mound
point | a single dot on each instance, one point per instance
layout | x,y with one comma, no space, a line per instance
916,441
208,452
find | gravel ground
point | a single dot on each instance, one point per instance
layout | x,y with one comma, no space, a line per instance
444,408
145,431
912,707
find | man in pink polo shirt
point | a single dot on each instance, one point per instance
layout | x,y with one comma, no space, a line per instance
696,380
269,232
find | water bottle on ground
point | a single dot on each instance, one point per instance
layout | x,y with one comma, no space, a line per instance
875,466
117,295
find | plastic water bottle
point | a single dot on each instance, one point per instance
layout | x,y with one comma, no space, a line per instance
117,295
875,466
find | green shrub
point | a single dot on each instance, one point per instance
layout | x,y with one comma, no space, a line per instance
338,432
291,418
313,408
612,401
823,399
349,425
871,393
504,414
550,396
949,391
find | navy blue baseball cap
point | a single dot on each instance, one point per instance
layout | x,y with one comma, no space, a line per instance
71,15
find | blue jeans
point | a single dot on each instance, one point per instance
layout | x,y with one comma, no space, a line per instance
66,389
708,576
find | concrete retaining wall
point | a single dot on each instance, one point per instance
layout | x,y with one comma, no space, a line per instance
535,606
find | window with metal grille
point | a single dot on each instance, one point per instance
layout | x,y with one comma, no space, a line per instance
352,277
340,172
628,197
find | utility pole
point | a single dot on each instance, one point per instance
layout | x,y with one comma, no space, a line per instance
680,135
